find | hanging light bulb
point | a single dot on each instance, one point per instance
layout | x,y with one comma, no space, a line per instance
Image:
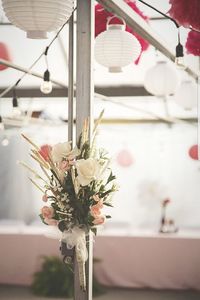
46,86
5,141
179,59
1,123
16,112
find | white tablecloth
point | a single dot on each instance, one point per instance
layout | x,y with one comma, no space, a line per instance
126,261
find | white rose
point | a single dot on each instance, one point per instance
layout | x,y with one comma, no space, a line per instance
63,150
88,170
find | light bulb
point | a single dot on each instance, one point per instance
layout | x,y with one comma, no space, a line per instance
1,124
5,141
16,112
179,60
46,86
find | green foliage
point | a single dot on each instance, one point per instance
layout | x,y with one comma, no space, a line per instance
55,279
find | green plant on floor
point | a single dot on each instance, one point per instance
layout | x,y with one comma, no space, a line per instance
55,279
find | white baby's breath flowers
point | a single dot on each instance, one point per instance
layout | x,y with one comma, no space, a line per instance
88,170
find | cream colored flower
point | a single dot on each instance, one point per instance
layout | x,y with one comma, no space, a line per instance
63,150
88,170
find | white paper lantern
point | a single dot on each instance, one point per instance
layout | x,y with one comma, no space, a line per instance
186,94
116,48
37,17
161,79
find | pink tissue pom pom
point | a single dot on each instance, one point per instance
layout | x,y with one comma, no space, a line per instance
193,43
186,12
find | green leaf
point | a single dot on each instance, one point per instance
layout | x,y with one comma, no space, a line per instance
111,177
41,217
108,204
94,230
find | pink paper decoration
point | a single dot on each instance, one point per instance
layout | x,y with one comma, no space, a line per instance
193,43
4,54
124,158
101,16
193,152
186,12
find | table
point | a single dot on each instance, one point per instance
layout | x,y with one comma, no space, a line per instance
160,262
134,261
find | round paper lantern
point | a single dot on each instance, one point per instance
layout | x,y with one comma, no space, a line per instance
124,158
186,12
4,54
186,94
161,79
193,43
115,48
193,152
102,15
37,17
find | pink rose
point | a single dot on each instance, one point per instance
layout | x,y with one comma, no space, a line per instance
45,198
44,151
99,220
47,212
51,221
64,165
96,198
95,210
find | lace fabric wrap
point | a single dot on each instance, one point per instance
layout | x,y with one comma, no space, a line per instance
76,238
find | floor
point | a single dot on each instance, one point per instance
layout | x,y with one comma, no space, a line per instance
22,293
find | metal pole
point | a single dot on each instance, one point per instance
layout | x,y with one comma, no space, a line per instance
84,98
84,78
71,79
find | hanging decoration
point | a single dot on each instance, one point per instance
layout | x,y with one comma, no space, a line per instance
193,152
4,54
186,12
37,17
124,158
186,94
161,79
116,48
101,16
193,43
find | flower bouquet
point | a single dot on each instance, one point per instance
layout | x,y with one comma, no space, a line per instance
76,184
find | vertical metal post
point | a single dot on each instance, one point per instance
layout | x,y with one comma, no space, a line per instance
84,67
71,79
84,98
